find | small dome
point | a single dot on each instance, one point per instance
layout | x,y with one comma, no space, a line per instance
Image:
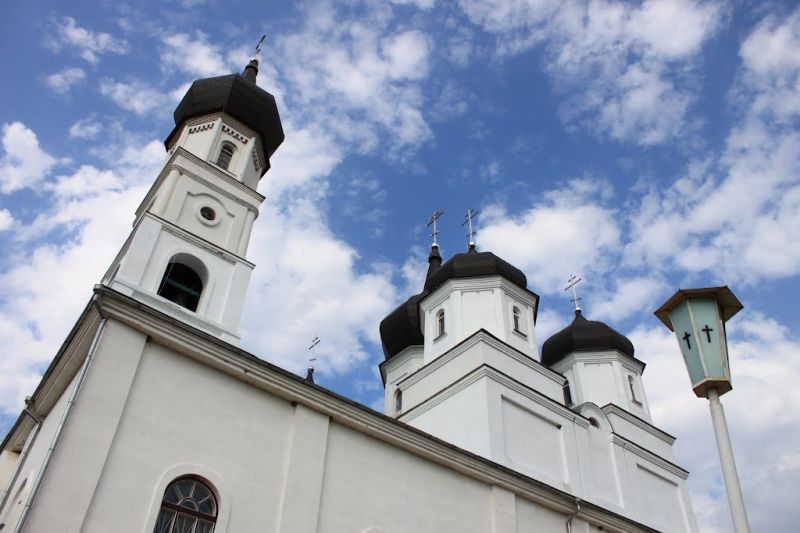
400,329
584,336
474,264
238,96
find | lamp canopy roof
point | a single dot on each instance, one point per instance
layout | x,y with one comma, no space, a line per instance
729,304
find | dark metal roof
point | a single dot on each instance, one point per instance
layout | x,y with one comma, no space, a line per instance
583,336
238,96
473,264
400,329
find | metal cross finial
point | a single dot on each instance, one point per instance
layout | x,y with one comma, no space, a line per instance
314,343
260,42
432,222
471,214
311,359
574,280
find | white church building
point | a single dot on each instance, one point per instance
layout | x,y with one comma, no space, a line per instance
150,419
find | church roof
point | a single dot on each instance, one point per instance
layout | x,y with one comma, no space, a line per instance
582,336
238,96
401,328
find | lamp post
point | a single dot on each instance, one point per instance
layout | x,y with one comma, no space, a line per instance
698,316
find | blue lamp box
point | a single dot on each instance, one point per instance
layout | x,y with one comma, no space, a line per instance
698,316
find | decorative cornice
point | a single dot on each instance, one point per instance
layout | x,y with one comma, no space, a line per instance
201,127
628,362
486,370
638,422
235,134
482,336
649,456
199,241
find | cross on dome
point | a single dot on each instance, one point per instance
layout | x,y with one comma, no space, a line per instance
469,217
432,222
572,282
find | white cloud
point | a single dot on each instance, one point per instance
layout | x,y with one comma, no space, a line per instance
571,231
737,218
654,24
85,181
195,56
421,4
24,163
628,296
61,82
617,63
94,209
305,297
771,57
357,79
86,128
136,96
6,219
90,45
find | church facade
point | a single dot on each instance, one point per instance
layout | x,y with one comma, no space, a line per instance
150,419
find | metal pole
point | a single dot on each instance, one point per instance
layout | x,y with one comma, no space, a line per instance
729,474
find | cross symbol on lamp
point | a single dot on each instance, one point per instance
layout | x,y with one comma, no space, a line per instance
686,336
707,330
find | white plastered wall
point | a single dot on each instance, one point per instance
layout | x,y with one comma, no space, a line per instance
602,378
471,304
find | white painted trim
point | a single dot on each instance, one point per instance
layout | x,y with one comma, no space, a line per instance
638,422
216,481
481,336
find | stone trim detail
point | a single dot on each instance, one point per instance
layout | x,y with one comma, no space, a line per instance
235,134
201,127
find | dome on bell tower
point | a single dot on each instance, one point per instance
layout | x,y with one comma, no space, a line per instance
238,96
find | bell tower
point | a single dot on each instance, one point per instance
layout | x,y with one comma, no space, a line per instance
186,255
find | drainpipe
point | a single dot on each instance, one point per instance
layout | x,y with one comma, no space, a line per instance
573,515
23,454
63,422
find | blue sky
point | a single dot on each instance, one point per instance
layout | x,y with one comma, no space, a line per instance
643,146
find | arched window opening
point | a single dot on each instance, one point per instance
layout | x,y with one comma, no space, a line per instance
181,284
516,314
398,401
225,155
632,387
188,506
440,323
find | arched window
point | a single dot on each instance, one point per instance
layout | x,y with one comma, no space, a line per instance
398,401
181,284
225,155
440,323
516,313
188,506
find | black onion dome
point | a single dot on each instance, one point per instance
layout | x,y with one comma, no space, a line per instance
583,336
400,329
474,264
238,96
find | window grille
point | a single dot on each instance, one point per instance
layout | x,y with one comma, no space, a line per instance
188,506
